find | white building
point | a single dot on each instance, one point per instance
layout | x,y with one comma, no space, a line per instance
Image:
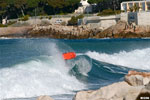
143,5
4,21
84,7
140,16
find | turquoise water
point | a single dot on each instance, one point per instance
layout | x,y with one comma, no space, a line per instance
33,67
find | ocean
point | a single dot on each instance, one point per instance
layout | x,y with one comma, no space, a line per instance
33,67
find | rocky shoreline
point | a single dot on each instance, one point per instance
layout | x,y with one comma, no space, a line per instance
14,32
120,30
124,30
136,86
63,32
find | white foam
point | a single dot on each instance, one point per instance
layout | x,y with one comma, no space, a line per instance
138,59
84,65
44,75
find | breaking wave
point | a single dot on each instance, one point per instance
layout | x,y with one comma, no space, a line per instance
137,59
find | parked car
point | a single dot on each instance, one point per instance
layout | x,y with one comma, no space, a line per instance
58,21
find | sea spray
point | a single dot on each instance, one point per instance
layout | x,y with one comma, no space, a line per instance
81,64
137,59
39,75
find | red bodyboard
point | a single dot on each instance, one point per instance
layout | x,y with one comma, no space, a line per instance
69,55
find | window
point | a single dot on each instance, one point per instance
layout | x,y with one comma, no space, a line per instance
148,6
124,6
130,5
143,6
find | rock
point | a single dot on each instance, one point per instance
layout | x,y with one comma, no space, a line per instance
14,31
44,98
133,93
134,80
116,91
144,74
147,86
119,27
124,30
137,78
144,94
135,87
63,32
113,31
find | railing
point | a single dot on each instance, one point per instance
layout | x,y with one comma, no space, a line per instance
54,16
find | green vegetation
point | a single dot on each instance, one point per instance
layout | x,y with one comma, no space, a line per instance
8,24
25,18
19,8
135,8
109,12
11,23
74,20
107,4
41,17
50,17
1,25
63,23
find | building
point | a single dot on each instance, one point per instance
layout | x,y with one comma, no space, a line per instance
137,12
4,21
84,7
143,5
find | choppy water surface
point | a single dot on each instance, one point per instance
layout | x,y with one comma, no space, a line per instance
33,67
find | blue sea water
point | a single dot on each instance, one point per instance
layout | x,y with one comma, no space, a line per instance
33,67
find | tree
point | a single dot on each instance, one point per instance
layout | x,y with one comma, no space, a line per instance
17,8
95,1
71,5
17,5
107,4
32,3
3,8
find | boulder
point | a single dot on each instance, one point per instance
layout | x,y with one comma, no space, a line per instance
133,93
144,93
123,30
45,98
135,86
116,91
137,78
119,27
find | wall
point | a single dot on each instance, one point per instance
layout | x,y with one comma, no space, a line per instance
140,18
144,18
107,23
124,17
99,22
52,21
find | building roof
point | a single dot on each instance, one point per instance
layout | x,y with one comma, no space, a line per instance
136,1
